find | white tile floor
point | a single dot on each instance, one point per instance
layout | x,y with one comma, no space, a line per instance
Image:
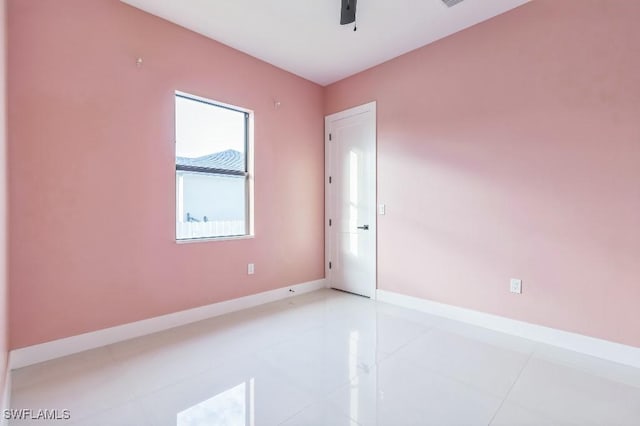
329,358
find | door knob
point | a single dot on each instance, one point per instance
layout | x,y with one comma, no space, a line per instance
365,227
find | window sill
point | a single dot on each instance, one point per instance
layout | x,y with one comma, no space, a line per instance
210,239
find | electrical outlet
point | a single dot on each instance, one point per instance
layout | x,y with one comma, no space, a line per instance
516,286
251,269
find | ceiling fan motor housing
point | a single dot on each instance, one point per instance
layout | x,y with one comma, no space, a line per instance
451,3
348,12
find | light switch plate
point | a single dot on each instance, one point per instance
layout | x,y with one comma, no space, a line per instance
516,286
382,209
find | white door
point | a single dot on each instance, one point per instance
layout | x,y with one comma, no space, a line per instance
350,150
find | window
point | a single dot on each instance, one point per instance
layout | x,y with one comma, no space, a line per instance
212,169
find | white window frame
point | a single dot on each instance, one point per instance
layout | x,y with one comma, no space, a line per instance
248,173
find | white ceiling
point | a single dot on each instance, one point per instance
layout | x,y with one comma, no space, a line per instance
305,38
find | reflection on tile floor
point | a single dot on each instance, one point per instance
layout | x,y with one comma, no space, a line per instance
330,358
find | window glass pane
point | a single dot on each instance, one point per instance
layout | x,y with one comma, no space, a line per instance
210,205
211,169
209,136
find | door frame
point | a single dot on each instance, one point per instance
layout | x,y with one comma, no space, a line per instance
370,108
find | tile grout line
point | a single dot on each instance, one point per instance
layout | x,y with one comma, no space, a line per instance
438,327
533,351
314,401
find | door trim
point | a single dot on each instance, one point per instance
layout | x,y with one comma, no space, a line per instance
370,107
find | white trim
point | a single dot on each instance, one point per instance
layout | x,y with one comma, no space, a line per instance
69,345
368,108
605,349
360,109
208,239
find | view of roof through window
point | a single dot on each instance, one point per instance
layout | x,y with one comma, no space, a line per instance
211,169
209,135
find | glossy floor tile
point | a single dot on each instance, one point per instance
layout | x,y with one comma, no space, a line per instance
329,358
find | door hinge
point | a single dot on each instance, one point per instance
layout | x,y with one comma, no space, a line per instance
329,136
329,222
329,265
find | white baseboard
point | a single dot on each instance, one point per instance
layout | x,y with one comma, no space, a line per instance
69,345
599,348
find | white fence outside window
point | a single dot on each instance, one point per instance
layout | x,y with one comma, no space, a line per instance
211,229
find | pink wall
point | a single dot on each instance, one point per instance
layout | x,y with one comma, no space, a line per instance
521,134
4,328
92,170
512,149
